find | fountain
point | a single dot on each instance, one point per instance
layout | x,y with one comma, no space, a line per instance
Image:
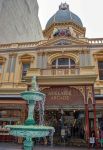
30,129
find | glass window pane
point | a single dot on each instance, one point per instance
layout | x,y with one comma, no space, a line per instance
101,74
25,69
63,61
100,64
100,67
72,62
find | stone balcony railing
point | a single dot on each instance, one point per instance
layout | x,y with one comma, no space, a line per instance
73,73
34,44
22,45
59,72
90,70
96,41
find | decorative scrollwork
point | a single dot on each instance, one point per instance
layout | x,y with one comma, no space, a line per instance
89,90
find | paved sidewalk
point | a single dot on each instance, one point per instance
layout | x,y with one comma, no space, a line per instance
13,146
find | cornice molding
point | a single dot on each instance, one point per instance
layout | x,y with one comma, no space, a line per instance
64,80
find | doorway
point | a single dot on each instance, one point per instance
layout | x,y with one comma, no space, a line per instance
69,125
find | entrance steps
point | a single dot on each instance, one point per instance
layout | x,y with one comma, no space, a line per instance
77,142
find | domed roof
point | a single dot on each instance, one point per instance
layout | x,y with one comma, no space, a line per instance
64,15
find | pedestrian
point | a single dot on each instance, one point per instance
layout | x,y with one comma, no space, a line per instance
101,138
63,135
92,139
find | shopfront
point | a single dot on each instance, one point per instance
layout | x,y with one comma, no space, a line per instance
68,110
12,112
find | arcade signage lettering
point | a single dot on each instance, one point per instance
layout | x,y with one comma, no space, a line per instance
59,93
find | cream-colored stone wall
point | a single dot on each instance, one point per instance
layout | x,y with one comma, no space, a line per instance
40,59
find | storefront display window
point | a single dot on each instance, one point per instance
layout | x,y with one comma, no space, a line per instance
8,117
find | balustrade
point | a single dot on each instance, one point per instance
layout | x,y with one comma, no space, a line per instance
34,44
21,45
90,70
60,72
96,41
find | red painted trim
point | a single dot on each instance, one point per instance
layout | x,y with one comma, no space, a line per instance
95,124
87,124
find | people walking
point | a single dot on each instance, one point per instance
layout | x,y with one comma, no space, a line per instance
92,139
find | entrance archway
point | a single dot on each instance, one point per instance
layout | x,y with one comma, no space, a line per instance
65,109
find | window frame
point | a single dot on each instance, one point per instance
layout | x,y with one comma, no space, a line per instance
24,63
68,66
100,69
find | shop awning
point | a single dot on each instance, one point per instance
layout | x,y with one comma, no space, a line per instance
99,97
14,96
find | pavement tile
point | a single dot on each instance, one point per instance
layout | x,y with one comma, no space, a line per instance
13,146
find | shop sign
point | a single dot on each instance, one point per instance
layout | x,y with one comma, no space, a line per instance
67,94
59,93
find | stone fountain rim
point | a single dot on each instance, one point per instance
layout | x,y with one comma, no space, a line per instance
32,91
30,127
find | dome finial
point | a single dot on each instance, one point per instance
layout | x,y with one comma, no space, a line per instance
63,6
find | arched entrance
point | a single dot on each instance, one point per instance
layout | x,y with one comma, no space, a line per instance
65,110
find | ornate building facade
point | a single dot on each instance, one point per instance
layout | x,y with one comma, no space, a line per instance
69,70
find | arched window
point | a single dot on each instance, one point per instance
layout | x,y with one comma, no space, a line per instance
63,63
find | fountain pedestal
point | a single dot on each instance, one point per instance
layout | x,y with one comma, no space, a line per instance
28,143
30,120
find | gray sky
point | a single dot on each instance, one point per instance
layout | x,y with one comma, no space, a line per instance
90,12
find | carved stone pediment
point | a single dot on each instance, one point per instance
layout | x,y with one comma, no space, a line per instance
62,41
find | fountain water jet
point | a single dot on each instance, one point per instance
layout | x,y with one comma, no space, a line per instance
30,129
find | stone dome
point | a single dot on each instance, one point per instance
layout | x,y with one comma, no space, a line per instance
64,15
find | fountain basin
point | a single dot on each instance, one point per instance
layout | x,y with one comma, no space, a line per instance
32,95
36,131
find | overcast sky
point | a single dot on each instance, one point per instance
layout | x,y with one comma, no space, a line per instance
90,12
